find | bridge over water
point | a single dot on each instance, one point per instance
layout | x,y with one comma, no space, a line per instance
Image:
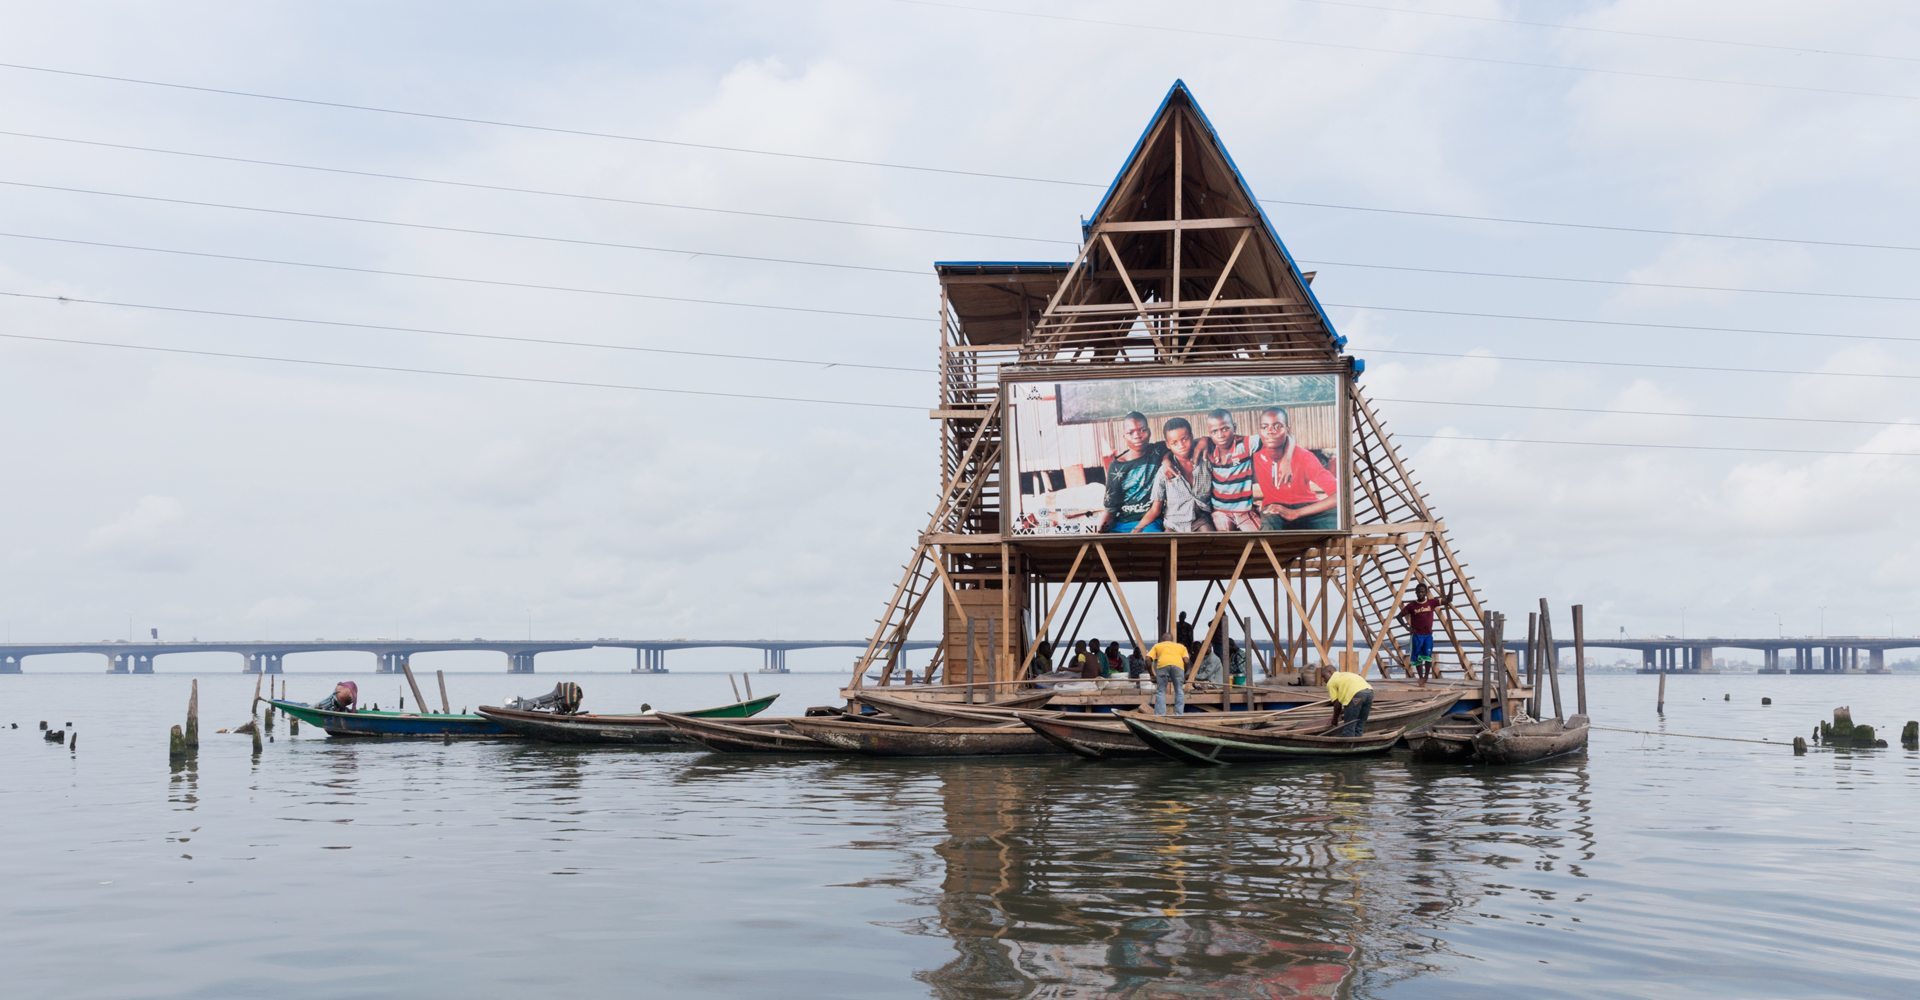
266,656
1835,653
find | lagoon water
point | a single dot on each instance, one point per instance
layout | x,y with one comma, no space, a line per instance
1655,866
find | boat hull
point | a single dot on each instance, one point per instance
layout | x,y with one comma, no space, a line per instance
763,736
880,740
920,712
1190,745
1529,742
394,725
1098,738
629,730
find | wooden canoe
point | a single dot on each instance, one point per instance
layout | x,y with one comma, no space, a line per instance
1410,715
1091,735
429,725
1227,746
1444,742
634,730
925,712
1526,742
745,736
882,740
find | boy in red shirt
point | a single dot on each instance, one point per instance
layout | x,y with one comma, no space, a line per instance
1418,617
1285,472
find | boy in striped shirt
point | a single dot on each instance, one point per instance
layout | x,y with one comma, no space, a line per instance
1231,456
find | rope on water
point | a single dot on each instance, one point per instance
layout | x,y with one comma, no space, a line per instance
1689,736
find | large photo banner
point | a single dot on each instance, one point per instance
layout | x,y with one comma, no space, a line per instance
1176,454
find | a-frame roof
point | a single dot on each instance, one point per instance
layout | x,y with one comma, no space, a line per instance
1178,169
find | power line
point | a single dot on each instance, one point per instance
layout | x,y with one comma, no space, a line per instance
1761,331
603,244
465,280
921,168
229,355
608,244
1650,364
454,374
828,363
1379,50
832,312
600,345
542,192
1561,26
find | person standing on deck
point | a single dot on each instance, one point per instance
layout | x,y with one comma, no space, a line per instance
1183,631
1135,492
1289,477
1169,670
1229,458
1418,617
1188,485
1352,700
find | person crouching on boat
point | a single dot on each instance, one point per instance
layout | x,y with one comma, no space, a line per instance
1169,671
344,695
1352,700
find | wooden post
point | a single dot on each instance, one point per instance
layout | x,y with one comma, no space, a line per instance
747,679
1532,662
1552,660
969,660
1660,699
735,685
1579,661
445,705
193,717
176,743
1487,654
993,658
1246,636
419,703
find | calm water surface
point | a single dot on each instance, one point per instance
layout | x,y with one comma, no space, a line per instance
1657,866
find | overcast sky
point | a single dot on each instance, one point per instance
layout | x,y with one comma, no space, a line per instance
229,497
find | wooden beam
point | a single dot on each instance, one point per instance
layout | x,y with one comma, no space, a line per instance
1126,612
1306,619
1226,594
1046,622
1399,592
1177,224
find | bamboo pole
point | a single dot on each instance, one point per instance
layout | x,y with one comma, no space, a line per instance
446,706
735,685
1487,653
1580,660
419,702
1552,662
747,679
1532,664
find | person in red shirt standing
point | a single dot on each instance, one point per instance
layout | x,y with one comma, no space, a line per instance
1297,493
1418,617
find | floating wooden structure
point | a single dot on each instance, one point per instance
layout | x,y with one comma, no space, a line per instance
1180,274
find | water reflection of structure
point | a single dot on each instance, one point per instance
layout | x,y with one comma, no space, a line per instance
1072,880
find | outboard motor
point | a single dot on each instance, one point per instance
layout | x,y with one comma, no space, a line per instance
564,699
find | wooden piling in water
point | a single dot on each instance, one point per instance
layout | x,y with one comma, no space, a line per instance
1579,660
176,743
1552,663
446,706
747,679
419,701
1532,665
735,685
1488,652
1660,700
192,735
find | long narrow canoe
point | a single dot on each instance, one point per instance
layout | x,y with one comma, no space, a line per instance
1526,742
1241,747
437,725
1410,715
634,730
1093,736
882,740
745,736
924,712
1444,742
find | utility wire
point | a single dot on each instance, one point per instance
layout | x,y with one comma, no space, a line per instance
603,244
1649,364
1761,331
469,281
607,244
542,192
1562,26
868,315
827,363
1239,36
345,324
453,374
920,168
229,355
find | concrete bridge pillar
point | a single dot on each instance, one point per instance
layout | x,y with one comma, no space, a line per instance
1703,658
117,663
271,662
143,663
1877,660
1770,660
649,661
1646,660
11,664
520,663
